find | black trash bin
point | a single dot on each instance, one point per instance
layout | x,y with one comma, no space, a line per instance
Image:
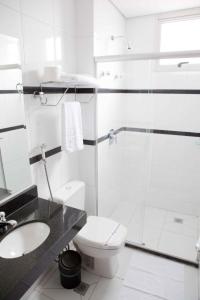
70,269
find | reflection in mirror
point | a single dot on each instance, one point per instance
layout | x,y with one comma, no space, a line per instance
15,173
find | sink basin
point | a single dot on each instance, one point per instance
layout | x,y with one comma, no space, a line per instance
24,239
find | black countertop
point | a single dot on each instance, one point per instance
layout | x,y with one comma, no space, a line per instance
18,274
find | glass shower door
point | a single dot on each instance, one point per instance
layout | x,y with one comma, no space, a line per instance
149,179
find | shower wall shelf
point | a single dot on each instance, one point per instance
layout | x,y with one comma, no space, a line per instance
66,85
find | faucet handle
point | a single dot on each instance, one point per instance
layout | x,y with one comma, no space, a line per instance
2,216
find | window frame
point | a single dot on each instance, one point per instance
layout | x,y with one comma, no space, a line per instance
167,18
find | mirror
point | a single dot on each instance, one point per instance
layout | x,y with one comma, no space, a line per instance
15,173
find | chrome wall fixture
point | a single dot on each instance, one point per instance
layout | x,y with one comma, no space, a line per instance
128,43
43,97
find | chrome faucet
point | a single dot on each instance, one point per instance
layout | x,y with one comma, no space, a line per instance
4,223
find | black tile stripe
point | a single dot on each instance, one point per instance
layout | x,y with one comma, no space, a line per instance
105,137
153,131
89,142
48,153
160,131
12,128
8,92
102,139
56,150
149,91
58,90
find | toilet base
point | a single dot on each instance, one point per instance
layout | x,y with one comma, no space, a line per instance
105,267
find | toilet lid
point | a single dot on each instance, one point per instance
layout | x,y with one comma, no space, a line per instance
102,233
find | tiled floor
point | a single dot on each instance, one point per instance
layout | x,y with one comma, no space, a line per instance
165,231
140,277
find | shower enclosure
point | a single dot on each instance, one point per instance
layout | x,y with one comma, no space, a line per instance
149,171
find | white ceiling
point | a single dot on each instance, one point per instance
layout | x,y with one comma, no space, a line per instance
134,8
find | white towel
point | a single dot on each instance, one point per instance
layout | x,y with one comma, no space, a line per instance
72,127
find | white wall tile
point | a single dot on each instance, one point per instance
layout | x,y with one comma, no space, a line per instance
107,22
62,167
65,51
84,18
64,16
88,108
173,179
40,10
91,200
84,52
15,4
39,48
10,23
12,103
176,112
87,163
141,32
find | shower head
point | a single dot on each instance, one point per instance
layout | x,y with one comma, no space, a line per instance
128,43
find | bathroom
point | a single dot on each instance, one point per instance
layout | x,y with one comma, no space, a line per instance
128,71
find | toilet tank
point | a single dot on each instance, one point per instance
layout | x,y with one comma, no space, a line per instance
71,194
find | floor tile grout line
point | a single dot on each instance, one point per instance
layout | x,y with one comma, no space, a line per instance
90,297
157,275
162,230
46,279
145,292
46,296
53,288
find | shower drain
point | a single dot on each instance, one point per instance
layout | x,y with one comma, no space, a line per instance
178,220
82,288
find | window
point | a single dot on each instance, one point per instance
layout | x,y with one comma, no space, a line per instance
180,34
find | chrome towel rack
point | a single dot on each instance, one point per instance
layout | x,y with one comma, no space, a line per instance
52,84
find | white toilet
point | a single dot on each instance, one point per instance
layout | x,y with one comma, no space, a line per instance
100,240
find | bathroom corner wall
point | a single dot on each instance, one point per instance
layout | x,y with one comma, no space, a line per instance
85,65
97,20
108,21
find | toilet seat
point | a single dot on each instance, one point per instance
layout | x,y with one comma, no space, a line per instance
101,233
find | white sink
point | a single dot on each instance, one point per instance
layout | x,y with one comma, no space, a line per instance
24,239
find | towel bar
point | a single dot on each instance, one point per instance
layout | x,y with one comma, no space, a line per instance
43,97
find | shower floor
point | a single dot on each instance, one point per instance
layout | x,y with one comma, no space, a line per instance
160,230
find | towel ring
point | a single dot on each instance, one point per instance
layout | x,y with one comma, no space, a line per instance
43,97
